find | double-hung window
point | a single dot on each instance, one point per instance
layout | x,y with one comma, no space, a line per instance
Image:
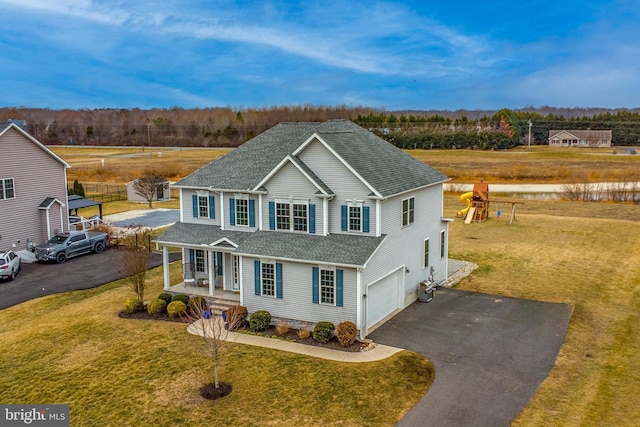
425,262
268,279
408,208
327,287
443,244
355,217
203,206
291,216
242,211
7,189
200,260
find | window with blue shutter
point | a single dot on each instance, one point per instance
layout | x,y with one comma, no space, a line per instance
365,219
272,215
345,217
339,287
194,202
279,280
212,208
312,219
256,279
232,211
315,281
252,213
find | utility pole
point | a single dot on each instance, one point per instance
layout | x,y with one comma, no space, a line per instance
148,134
529,143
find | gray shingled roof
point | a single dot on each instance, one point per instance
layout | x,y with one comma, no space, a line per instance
340,249
386,168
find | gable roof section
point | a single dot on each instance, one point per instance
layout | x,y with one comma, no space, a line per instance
304,169
384,168
338,249
4,128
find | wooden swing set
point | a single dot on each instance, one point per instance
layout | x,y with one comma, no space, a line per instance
478,203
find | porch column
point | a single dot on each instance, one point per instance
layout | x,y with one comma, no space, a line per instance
212,277
165,267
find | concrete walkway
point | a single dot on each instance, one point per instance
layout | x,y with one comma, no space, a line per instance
377,352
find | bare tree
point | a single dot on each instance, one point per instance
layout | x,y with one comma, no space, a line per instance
211,328
134,262
148,187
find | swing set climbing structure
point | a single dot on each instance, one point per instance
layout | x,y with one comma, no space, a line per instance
478,203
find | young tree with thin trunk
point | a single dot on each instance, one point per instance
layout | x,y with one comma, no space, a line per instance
134,262
147,187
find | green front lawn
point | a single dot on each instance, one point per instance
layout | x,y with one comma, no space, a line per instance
73,348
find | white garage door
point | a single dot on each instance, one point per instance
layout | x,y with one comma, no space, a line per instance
382,298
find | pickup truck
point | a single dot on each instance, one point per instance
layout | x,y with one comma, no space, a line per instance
67,245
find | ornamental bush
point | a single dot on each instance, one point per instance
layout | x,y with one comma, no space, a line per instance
346,333
260,320
237,316
166,297
157,306
133,305
181,297
176,308
324,331
197,303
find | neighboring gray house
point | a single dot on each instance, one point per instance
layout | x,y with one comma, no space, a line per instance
580,138
163,192
33,189
312,222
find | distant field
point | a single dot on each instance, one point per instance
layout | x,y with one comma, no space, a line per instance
540,164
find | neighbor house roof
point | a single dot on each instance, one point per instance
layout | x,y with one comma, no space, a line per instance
385,168
583,134
339,249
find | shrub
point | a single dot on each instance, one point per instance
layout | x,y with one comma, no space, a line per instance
237,316
197,303
157,306
166,297
304,333
182,298
176,308
346,333
282,327
324,331
133,305
260,320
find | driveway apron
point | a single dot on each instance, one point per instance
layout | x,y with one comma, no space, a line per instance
490,354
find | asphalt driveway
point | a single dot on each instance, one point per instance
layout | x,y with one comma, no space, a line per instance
490,354
84,272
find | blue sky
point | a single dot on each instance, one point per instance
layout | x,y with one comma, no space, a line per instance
252,54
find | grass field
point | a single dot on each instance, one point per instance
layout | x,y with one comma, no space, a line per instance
73,348
539,164
583,254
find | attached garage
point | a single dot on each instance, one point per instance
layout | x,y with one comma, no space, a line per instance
384,297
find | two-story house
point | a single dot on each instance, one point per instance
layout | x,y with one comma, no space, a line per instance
33,189
313,222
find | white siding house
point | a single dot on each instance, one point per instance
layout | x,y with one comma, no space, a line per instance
33,190
313,222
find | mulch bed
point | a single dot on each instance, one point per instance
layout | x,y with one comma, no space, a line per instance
291,335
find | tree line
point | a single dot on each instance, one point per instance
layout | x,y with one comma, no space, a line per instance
229,127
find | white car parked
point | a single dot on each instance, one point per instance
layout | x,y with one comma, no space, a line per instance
9,265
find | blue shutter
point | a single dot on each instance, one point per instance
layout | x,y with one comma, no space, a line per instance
312,219
279,280
212,208
252,213
315,280
232,211
219,262
256,279
345,217
365,219
194,203
339,288
192,256
272,215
